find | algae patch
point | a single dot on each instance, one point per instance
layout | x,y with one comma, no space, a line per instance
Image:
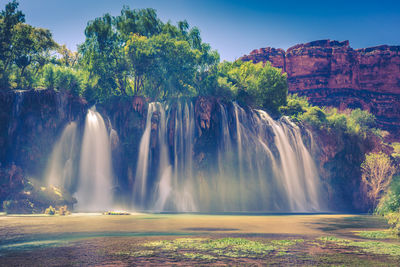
206,249
375,247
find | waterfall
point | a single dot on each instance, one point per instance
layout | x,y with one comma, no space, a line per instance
60,169
255,163
298,170
182,183
94,192
244,162
19,98
171,188
16,110
140,184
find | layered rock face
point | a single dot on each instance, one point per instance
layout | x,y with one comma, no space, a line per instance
331,73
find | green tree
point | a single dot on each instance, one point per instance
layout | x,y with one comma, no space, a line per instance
67,58
63,78
315,116
390,202
9,17
102,56
295,106
21,46
162,66
31,46
143,22
136,53
360,121
141,55
258,85
396,150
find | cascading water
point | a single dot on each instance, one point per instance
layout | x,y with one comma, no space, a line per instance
175,189
254,164
140,184
94,191
61,170
298,170
19,97
171,181
17,103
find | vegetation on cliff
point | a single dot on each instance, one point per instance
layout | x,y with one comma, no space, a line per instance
364,164
134,53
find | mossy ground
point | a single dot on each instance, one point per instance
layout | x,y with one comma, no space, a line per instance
322,251
383,234
364,244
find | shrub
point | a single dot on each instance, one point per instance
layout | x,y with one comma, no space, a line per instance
50,211
391,201
257,85
20,206
63,78
315,116
337,121
394,221
63,210
295,106
396,150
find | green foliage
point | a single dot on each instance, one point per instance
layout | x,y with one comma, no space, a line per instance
24,49
358,123
390,202
396,150
361,120
384,234
102,57
210,249
63,78
9,18
257,85
295,106
315,116
213,82
375,247
143,22
136,53
62,211
163,66
50,211
393,219
67,58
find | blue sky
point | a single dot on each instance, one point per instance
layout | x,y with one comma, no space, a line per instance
235,27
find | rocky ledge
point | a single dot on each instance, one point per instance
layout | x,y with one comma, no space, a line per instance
331,73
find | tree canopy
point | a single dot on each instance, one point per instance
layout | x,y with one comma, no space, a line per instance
134,53
23,48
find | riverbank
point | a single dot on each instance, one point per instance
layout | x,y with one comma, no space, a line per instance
189,239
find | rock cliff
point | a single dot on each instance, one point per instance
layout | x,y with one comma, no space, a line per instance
31,122
331,73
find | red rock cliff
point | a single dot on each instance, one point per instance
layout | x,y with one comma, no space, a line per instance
331,73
